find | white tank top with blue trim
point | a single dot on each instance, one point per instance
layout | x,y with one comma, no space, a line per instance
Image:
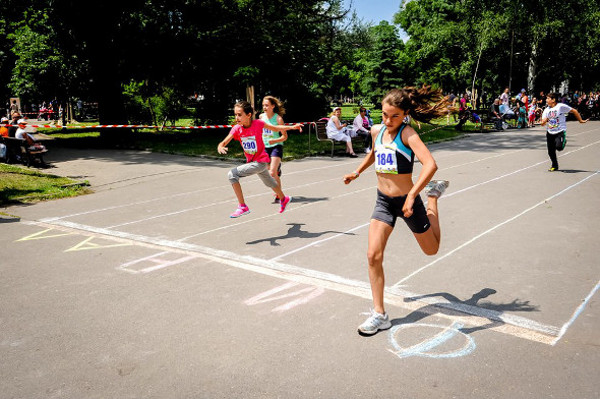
395,157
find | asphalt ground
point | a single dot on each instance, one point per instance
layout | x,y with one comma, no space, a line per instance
147,289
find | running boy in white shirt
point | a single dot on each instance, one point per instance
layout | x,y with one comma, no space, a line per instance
555,115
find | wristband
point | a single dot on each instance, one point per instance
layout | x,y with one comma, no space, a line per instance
356,174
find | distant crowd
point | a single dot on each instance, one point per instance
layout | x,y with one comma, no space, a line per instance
521,111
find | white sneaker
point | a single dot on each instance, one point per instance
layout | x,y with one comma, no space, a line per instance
374,323
435,188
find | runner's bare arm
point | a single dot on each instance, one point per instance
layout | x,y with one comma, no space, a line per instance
578,116
222,147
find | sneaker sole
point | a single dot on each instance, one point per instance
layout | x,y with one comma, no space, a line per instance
242,214
369,333
437,193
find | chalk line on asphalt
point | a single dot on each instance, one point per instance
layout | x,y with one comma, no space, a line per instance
512,325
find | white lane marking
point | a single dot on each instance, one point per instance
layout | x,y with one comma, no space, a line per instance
445,195
293,208
319,242
492,229
513,325
576,314
169,197
162,215
516,171
256,180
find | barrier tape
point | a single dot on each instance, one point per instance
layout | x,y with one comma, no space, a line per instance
140,126
38,113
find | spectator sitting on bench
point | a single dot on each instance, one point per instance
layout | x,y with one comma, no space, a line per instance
22,134
494,114
339,132
361,127
12,129
4,127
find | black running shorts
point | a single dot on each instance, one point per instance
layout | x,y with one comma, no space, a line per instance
388,209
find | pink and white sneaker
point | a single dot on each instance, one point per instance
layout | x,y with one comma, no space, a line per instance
286,200
241,210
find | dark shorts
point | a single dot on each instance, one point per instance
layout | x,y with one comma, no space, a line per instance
276,151
388,209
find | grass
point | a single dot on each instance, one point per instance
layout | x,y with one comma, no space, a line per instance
21,185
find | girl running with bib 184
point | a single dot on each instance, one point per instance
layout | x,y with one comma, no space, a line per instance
395,145
249,133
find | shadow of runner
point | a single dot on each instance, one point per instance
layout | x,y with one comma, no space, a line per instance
457,307
307,200
574,171
295,232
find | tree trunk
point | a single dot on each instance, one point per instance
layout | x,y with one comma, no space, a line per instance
531,76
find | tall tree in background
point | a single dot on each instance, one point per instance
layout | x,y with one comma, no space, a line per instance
439,45
530,43
306,52
387,67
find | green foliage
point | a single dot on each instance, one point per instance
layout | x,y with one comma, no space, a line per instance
306,53
38,64
145,108
449,38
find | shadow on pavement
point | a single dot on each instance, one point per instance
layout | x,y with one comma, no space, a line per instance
295,232
443,308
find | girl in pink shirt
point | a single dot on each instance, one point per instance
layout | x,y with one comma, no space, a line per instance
249,133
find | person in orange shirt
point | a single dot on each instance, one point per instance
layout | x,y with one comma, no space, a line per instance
4,127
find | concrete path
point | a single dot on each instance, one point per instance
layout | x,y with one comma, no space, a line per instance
147,289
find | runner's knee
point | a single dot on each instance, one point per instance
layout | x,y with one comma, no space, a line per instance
270,182
375,257
233,176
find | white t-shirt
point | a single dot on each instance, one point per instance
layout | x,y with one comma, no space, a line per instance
557,118
20,134
504,98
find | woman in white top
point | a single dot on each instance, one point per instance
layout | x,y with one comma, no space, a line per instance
339,132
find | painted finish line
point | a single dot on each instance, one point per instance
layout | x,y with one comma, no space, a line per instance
473,315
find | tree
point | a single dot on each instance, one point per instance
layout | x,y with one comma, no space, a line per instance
530,43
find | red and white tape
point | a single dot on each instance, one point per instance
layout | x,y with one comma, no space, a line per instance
139,126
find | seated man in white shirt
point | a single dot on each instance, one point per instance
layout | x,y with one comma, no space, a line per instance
22,134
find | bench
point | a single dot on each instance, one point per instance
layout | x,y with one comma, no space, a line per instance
17,150
486,121
320,132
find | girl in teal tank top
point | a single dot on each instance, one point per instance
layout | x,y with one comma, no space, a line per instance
273,112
